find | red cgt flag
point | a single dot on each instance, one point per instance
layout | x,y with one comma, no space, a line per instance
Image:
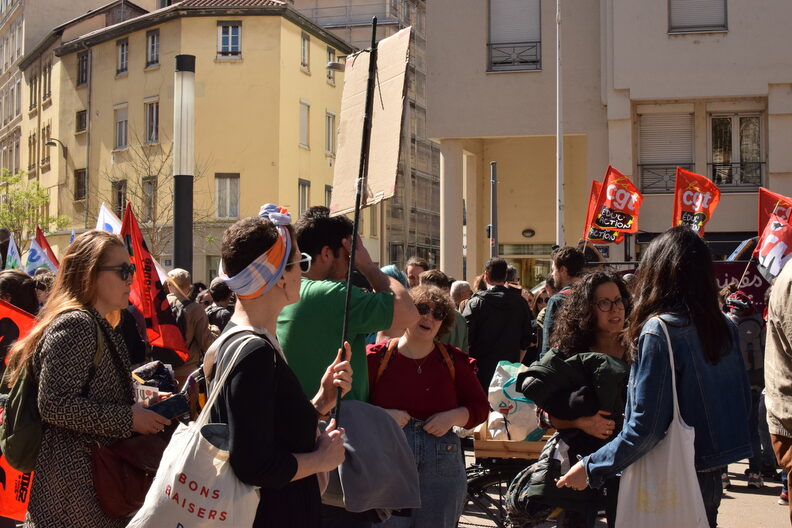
14,485
618,204
593,233
771,203
44,245
695,199
147,294
774,248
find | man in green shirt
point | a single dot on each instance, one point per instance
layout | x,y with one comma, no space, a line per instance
310,330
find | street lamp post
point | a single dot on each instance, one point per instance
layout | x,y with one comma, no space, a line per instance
183,160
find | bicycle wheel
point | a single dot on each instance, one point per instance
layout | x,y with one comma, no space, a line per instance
486,490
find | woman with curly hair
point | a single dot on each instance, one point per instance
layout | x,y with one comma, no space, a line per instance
428,388
580,384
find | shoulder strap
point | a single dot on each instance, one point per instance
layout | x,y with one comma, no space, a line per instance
98,354
210,357
386,357
447,359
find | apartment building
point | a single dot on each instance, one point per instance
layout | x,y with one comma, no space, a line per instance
409,223
22,24
265,112
647,86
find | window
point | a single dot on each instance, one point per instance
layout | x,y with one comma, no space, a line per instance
227,195
152,122
373,227
46,80
164,3
212,266
152,47
305,115
13,107
33,92
330,131
696,16
149,198
666,141
17,153
122,48
81,121
229,39
80,184
303,196
305,52
331,57
32,151
46,133
328,195
19,39
515,35
18,98
118,189
736,150
82,68
121,127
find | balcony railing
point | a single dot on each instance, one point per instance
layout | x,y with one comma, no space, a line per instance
660,178
351,14
515,56
737,176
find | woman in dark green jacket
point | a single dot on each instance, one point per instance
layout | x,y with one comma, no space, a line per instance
580,384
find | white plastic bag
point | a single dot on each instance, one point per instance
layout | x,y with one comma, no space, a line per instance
661,489
514,415
195,486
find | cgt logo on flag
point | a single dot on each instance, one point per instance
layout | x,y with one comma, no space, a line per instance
774,248
695,199
618,204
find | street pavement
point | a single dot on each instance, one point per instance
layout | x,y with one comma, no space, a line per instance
741,506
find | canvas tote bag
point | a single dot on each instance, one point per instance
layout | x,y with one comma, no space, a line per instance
661,490
195,486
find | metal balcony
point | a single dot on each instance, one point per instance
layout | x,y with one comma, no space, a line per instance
515,56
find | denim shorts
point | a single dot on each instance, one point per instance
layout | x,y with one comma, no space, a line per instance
441,473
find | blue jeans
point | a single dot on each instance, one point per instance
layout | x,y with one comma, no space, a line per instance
441,475
711,492
755,462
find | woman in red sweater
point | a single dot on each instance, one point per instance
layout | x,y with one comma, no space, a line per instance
428,388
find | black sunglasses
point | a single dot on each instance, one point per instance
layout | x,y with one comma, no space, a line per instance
438,313
124,270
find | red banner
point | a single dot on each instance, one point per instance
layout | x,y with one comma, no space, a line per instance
14,485
44,245
771,203
618,204
593,233
147,294
774,248
695,199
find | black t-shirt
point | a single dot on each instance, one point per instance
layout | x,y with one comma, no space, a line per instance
269,418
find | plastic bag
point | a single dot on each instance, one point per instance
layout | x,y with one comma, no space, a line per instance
514,415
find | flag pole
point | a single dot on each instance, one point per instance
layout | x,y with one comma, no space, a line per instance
360,185
559,136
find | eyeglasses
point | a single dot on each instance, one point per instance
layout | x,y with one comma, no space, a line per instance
438,313
304,262
541,300
124,270
606,305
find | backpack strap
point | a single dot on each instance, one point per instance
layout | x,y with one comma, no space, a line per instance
98,354
386,357
447,359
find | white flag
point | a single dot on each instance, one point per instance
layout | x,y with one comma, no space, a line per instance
108,221
37,258
13,259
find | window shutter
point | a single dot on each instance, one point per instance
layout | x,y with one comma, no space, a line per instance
666,139
697,14
304,115
514,21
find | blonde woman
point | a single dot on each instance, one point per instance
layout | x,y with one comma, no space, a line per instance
80,405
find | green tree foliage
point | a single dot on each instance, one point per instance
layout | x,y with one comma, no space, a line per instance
23,206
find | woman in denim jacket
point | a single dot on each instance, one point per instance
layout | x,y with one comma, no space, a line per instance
676,281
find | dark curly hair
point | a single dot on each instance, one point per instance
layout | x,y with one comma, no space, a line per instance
576,324
432,294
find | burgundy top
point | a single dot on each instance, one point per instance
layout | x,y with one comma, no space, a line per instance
430,392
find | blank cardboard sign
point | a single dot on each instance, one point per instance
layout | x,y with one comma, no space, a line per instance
386,125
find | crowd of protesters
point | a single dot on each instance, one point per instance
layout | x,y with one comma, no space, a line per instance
421,348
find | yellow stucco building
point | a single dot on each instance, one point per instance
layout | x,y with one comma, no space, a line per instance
266,113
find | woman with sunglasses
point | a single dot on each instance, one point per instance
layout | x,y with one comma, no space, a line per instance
80,404
274,440
580,383
428,388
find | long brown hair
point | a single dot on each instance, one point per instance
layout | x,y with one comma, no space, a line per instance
74,289
676,275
